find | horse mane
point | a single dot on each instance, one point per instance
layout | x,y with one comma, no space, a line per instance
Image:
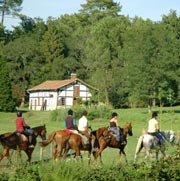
38,127
101,132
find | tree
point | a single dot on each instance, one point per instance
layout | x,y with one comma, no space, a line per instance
24,65
9,7
7,102
102,55
97,10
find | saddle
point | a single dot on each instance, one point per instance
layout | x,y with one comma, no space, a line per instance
117,136
158,138
84,138
68,131
22,136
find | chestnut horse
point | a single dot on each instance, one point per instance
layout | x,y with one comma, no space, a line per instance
113,143
17,141
62,142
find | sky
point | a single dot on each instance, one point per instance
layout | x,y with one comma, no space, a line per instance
152,9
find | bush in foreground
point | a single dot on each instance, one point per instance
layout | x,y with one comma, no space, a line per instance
76,170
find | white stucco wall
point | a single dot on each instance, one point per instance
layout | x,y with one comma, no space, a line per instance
36,99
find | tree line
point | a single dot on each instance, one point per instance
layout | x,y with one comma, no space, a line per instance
131,61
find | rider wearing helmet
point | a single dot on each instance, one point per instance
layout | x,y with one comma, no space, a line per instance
154,129
70,122
22,127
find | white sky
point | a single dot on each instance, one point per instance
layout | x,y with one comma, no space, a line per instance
152,9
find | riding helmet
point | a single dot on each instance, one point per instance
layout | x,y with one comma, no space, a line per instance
19,113
70,112
154,114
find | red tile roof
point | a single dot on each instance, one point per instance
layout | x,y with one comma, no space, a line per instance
56,84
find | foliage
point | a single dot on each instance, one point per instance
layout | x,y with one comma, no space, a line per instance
75,170
7,102
131,61
94,113
10,7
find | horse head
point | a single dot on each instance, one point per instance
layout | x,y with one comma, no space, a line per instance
172,136
128,129
40,131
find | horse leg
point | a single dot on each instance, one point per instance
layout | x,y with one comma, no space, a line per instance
147,154
89,157
54,150
77,151
157,153
29,153
120,155
163,151
103,145
5,154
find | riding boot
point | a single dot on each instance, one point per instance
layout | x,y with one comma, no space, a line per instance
123,142
30,142
161,142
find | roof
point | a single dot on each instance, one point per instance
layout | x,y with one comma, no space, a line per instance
57,84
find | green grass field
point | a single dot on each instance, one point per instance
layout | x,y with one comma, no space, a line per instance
169,118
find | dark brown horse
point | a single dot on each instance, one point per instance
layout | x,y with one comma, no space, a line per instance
112,142
63,141
17,141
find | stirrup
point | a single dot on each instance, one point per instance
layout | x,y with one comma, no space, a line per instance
123,143
31,146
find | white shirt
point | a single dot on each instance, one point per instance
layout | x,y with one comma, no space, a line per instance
153,125
83,123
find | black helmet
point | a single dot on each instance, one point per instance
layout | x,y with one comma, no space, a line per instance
19,114
154,114
114,114
70,112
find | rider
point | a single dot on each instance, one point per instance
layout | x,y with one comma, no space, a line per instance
114,127
23,128
70,122
154,129
83,128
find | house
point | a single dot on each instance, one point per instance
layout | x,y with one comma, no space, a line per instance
54,94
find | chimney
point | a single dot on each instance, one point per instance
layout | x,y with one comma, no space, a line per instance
73,76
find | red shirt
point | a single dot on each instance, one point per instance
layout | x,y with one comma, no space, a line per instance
20,124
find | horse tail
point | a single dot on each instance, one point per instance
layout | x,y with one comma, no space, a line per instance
49,140
139,146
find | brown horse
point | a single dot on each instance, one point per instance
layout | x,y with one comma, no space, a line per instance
17,141
63,141
58,140
112,142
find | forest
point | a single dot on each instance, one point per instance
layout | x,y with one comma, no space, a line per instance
133,62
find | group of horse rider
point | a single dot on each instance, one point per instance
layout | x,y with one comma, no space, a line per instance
83,127
70,123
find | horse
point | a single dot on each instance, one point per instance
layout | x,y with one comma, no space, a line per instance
112,142
62,141
150,142
17,141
